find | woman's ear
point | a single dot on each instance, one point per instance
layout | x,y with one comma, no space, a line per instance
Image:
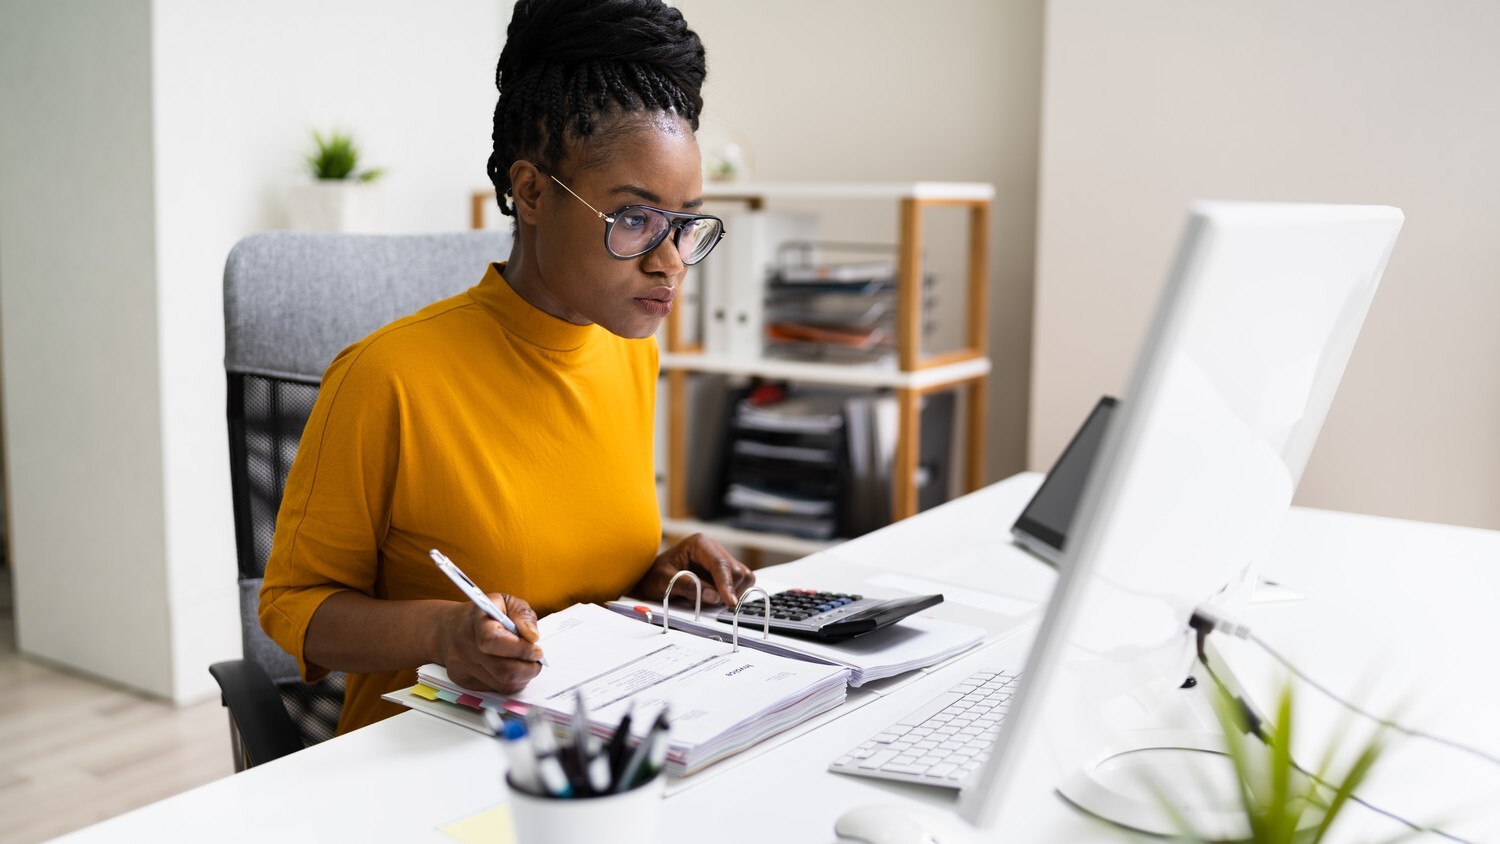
526,186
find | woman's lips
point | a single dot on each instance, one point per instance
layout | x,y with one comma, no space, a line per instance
657,303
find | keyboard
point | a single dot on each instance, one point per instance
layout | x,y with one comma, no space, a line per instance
826,615
941,743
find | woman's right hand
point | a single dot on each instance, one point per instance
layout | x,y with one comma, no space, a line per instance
481,655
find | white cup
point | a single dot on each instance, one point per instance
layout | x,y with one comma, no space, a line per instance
626,818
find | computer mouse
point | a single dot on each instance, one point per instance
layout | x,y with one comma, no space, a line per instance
901,825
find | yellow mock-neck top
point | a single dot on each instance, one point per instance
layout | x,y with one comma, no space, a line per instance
515,442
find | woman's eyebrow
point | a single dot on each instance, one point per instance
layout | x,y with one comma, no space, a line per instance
652,197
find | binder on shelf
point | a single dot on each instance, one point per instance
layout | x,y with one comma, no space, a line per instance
873,424
734,279
737,697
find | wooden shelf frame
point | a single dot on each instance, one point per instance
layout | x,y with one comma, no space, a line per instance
964,368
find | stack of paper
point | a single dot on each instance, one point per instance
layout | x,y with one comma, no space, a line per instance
720,702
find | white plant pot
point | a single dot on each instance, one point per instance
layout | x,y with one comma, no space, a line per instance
328,205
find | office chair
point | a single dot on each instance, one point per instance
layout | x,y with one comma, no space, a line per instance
292,301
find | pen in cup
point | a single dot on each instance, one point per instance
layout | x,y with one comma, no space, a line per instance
549,767
518,753
475,594
619,745
652,750
593,764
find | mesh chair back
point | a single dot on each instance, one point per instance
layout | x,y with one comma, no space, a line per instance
292,301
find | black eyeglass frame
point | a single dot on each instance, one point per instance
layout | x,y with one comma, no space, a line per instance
676,220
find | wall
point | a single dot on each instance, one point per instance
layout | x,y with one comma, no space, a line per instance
78,299
238,87
876,90
154,136
1152,104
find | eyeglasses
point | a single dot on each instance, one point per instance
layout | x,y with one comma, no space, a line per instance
635,230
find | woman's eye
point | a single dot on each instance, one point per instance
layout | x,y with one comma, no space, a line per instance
633,220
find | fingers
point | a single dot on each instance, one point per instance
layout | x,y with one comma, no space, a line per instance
506,676
492,639
487,657
730,576
521,613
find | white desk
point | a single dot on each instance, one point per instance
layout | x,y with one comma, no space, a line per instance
1414,608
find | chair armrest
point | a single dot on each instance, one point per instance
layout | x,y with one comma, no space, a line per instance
266,730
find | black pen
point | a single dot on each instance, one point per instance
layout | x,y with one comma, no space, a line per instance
643,751
619,745
656,757
593,766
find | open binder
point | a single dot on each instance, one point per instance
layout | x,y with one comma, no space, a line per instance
917,642
723,700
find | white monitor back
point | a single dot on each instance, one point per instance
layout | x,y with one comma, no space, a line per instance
1234,379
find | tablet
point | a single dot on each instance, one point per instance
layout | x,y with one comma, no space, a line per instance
1043,525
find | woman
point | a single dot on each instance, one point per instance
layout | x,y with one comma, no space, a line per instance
511,426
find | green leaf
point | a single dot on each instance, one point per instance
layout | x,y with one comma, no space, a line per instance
336,156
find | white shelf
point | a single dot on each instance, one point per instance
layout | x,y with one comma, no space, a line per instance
776,542
851,190
848,375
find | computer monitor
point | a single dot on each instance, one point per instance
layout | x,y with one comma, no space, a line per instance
1249,341
1042,527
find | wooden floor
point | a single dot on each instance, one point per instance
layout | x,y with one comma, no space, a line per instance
74,751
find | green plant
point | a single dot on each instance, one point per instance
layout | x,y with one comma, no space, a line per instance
336,157
1282,802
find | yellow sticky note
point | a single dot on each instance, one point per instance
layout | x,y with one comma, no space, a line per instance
424,691
491,826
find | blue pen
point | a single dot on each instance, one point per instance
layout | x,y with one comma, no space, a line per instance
512,735
475,594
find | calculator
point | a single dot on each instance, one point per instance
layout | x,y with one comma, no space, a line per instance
826,615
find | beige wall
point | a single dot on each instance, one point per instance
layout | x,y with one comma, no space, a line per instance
1150,104
879,90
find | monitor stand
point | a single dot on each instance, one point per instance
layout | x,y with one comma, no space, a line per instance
1130,785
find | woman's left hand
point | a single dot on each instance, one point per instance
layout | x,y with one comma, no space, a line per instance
725,578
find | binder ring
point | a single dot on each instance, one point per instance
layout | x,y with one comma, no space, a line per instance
666,601
765,630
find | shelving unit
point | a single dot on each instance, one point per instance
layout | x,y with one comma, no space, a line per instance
913,376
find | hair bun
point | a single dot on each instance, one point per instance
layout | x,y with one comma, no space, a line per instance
570,32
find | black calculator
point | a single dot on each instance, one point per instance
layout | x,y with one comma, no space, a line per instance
825,615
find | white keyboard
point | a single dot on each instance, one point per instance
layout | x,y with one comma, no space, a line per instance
941,743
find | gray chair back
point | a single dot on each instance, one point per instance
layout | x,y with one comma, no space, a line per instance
292,302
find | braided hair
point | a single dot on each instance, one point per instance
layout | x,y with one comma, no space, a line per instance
569,66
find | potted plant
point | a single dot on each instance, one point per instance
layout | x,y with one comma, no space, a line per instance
340,197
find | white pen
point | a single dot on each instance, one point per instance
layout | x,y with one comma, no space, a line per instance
475,594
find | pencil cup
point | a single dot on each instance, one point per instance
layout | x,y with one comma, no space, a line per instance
626,818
